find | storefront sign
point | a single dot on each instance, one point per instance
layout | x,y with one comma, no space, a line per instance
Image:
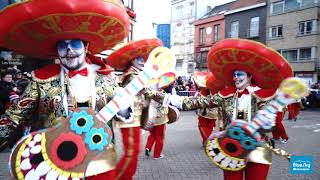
11,62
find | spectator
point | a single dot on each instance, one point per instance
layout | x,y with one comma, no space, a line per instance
7,91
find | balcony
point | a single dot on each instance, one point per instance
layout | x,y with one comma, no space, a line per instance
307,33
306,65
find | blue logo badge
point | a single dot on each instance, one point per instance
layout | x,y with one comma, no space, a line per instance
301,165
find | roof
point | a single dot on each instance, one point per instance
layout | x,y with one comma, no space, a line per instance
218,10
244,3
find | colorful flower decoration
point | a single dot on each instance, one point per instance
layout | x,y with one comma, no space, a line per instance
68,150
231,147
248,143
96,139
81,122
236,133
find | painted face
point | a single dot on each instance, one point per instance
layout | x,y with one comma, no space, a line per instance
138,63
71,53
241,79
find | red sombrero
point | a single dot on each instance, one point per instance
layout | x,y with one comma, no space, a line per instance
166,80
267,67
121,58
34,27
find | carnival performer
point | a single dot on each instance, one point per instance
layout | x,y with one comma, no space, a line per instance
131,59
280,131
158,116
250,74
207,117
294,110
72,31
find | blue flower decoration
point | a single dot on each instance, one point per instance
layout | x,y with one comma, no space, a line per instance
96,139
81,122
248,143
236,133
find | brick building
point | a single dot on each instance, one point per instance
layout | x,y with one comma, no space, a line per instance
293,30
209,29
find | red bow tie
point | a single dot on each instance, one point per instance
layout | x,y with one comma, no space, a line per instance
82,72
245,91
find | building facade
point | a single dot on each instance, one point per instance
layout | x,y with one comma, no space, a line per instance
246,19
209,29
163,33
183,14
293,30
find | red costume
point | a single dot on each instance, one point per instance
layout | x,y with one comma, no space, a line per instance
294,110
279,131
130,132
206,119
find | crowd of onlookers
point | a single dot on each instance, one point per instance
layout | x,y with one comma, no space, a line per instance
12,84
184,86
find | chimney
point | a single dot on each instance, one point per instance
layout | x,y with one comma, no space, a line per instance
208,9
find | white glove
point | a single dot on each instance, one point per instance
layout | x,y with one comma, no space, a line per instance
176,101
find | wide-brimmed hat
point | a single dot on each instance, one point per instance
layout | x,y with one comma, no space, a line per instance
34,27
121,58
200,78
266,66
166,80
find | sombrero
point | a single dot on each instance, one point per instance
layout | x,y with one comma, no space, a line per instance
166,80
266,66
200,78
34,27
121,58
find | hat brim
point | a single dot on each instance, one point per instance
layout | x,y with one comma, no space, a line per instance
121,58
266,66
166,80
200,78
34,27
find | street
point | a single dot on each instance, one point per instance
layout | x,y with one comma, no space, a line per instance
185,159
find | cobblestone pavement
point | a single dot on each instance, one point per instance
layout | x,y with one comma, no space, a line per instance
185,159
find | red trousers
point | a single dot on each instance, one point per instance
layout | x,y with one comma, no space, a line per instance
156,137
205,127
293,110
107,175
279,131
126,167
253,171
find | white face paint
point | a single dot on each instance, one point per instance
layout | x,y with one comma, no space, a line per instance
138,63
241,79
71,53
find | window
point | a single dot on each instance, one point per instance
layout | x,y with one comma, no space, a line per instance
179,65
275,32
305,54
307,27
203,59
234,29
130,35
277,7
216,35
179,11
290,55
301,54
190,68
201,36
254,27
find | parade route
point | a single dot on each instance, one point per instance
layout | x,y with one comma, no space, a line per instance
185,159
